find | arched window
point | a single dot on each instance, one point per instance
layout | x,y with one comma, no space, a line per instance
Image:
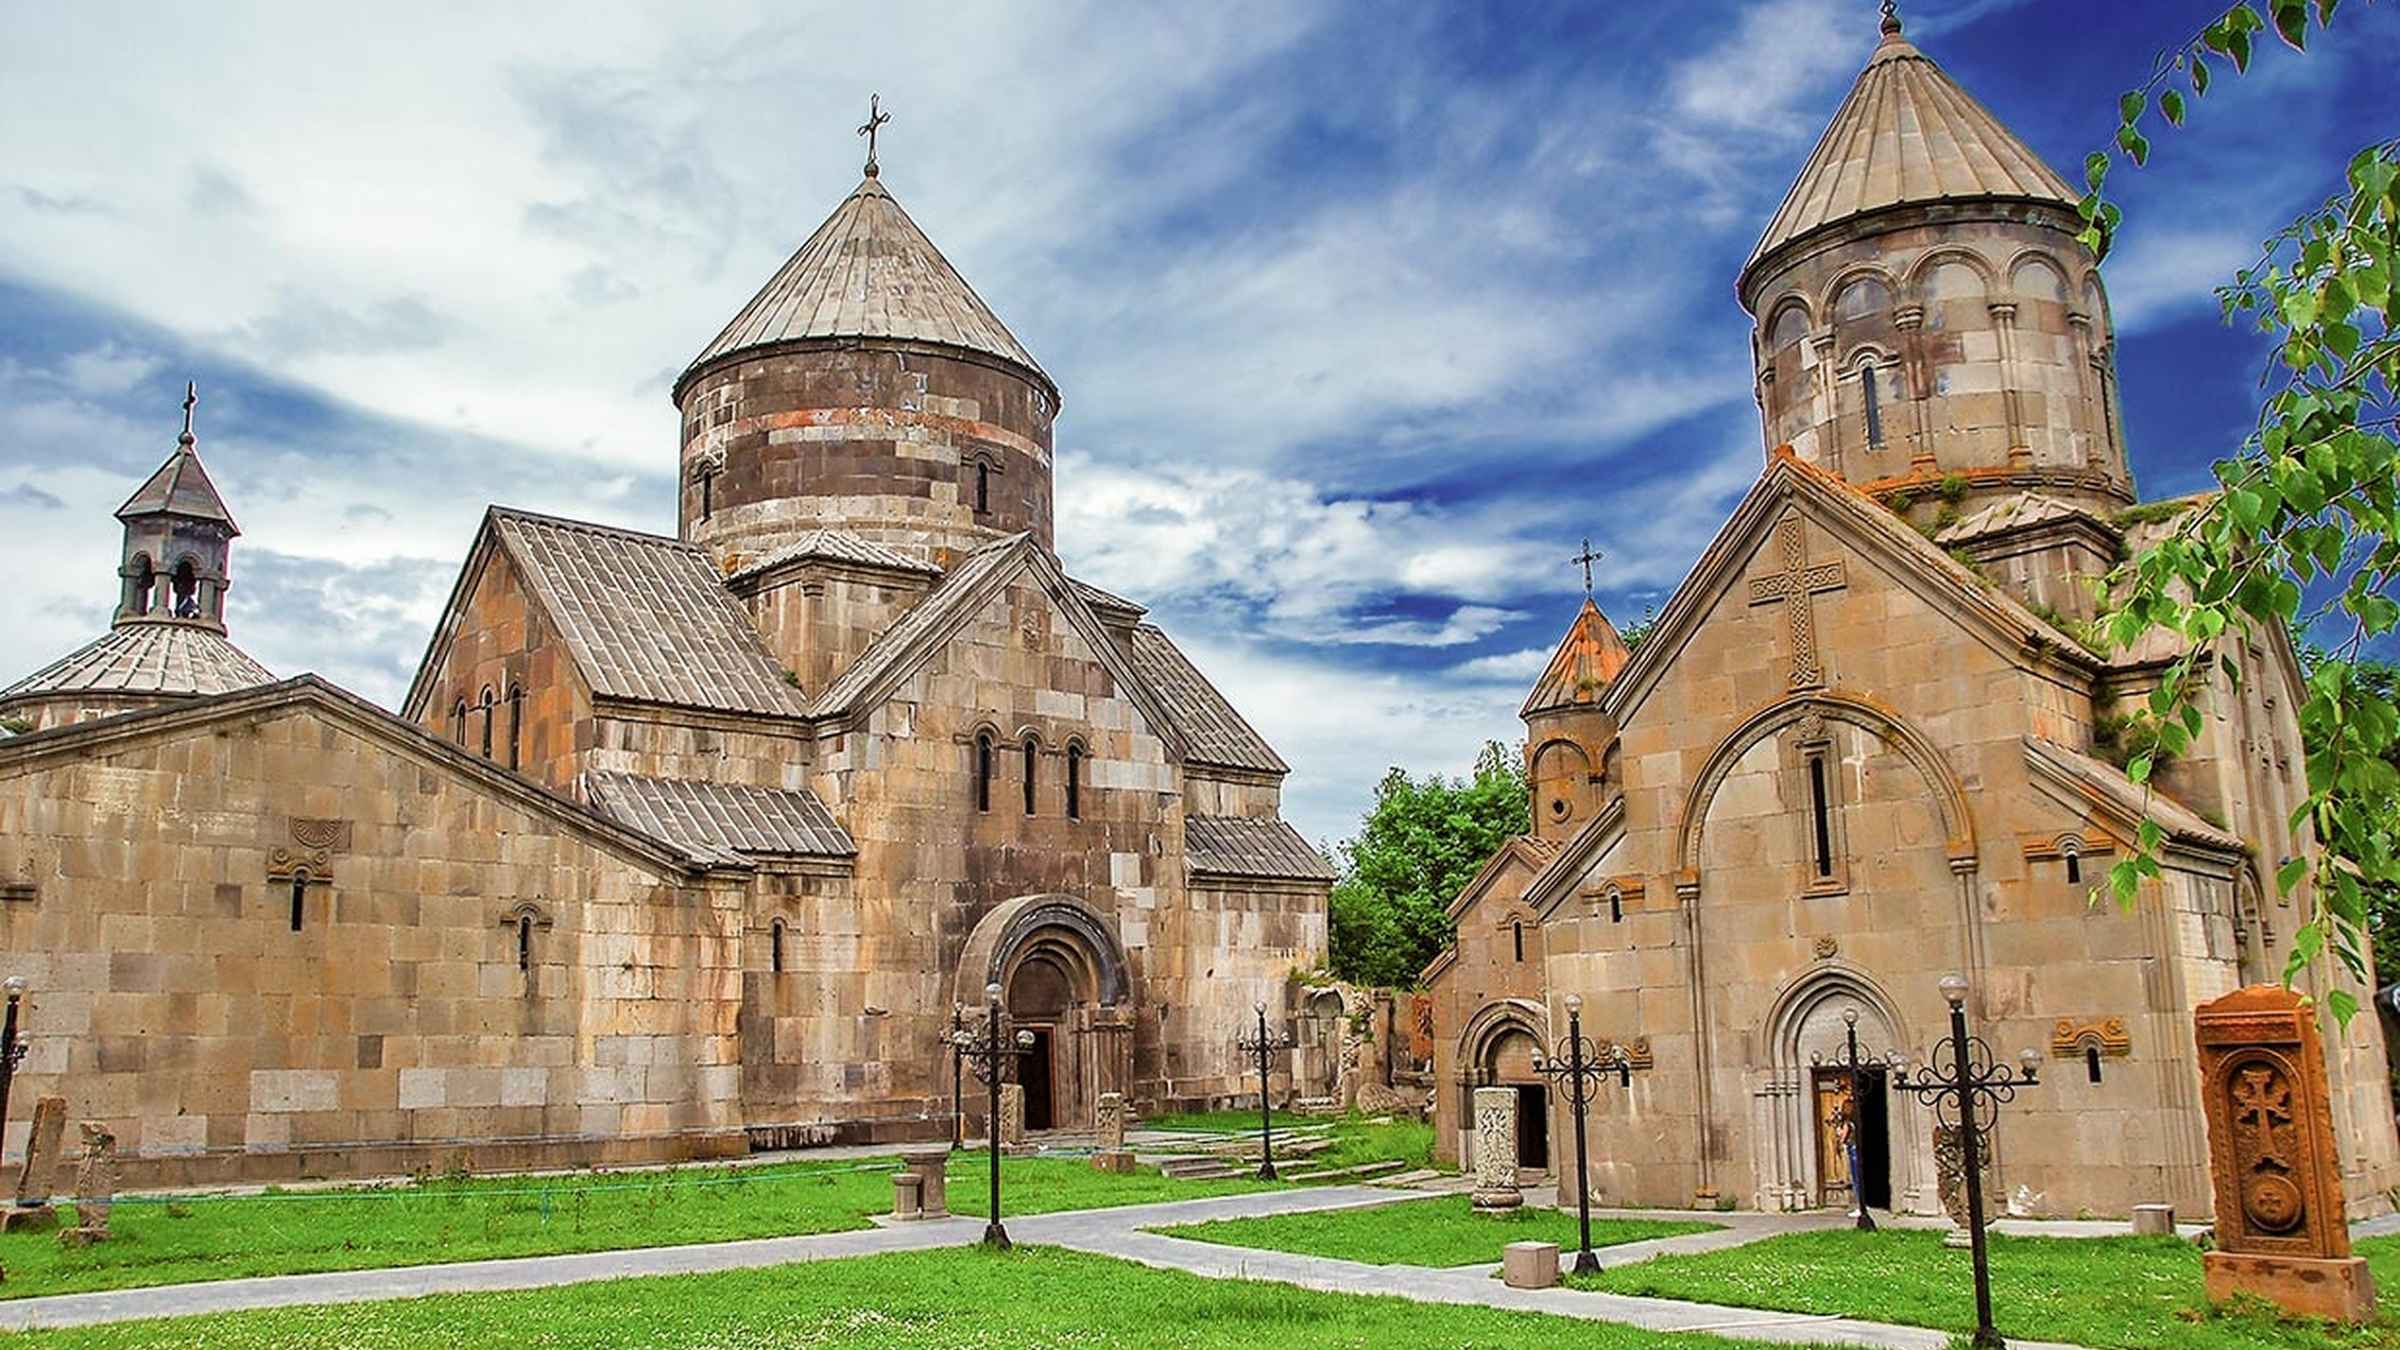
983,486
484,705
1861,298
775,946
1074,782
458,722
144,585
187,590
516,722
2036,279
983,771
1790,325
525,943
1517,931
1033,765
299,898
1870,399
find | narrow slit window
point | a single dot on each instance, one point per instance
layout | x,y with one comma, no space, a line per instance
2074,869
525,943
1032,768
708,496
299,899
983,773
775,947
983,487
458,722
516,723
1519,929
2091,1062
1074,782
1616,907
1822,810
485,705
1871,399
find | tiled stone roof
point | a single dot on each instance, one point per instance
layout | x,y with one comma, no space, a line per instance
645,616
1907,134
164,658
721,818
1243,847
1588,657
833,546
1106,600
2017,511
869,272
178,487
2107,783
1217,734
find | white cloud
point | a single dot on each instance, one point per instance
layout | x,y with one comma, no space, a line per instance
1519,667
109,369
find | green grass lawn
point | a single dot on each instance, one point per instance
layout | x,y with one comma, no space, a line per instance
1356,1139
954,1299
466,1220
2136,1293
1440,1232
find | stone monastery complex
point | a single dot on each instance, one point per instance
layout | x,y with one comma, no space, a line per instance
688,846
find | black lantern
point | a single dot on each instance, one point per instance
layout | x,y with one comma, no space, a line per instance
992,1061
1859,1069
1578,1065
1265,1046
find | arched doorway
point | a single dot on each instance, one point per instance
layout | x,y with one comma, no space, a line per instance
1821,1143
1499,1048
1064,977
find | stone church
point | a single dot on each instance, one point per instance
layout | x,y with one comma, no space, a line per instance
1870,740
681,846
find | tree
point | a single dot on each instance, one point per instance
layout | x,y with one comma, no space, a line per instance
2302,531
1419,845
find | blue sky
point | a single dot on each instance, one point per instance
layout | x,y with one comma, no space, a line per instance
1364,315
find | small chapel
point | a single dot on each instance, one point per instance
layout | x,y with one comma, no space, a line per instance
1870,741
680,846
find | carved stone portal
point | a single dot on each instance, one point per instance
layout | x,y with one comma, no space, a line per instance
2281,1233
1496,1149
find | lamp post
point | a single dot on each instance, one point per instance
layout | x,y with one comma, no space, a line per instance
1577,1065
1858,1095
958,1076
1968,1099
12,1050
1265,1046
992,1060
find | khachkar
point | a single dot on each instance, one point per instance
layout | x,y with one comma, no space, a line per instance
1109,1153
2281,1234
1496,1149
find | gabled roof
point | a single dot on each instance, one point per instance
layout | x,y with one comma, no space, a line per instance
1532,852
341,707
2019,511
1244,847
167,659
1907,134
838,546
721,818
1218,734
2105,785
1588,657
955,599
1107,602
179,487
1982,607
644,616
869,272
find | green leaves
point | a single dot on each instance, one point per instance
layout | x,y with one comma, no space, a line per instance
1420,844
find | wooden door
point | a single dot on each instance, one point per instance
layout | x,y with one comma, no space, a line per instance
1835,1123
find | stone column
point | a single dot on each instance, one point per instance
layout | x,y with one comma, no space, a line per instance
1496,1149
95,1186
932,1166
1109,1153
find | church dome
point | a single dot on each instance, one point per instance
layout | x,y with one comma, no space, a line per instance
868,272
1907,135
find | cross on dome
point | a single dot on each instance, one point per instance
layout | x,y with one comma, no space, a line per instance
876,117
1589,556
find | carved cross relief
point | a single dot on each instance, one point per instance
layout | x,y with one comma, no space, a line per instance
1793,586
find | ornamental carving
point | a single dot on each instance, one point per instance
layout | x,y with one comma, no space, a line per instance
285,864
1496,1149
331,836
2070,1037
1637,1051
2270,1126
1827,947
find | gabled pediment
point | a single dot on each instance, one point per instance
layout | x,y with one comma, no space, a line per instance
1504,875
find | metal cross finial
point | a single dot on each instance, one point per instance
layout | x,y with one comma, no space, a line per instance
191,400
1589,556
1891,17
876,117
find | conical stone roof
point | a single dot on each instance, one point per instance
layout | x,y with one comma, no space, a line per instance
1906,135
869,272
1588,657
179,487
166,659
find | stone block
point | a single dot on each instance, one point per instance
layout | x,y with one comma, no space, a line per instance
2339,1289
2154,1220
932,1168
907,1190
1113,1160
1529,1265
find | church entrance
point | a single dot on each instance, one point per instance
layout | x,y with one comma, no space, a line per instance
1039,1098
1533,1128
1062,976
1841,1124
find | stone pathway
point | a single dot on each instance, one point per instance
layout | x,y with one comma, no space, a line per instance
1109,1232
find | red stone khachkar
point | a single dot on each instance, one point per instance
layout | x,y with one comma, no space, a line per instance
2281,1234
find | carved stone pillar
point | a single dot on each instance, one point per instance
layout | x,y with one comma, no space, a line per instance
1108,1126
1910,320
1496,1149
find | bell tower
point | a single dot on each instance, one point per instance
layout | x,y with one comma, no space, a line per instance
1927,325
1568,735
178,541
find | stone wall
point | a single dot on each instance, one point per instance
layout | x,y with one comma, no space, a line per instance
877,438
1474,989
816,620
502,643
394,1028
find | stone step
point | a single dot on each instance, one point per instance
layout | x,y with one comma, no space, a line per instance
1409,1178
1202,1168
